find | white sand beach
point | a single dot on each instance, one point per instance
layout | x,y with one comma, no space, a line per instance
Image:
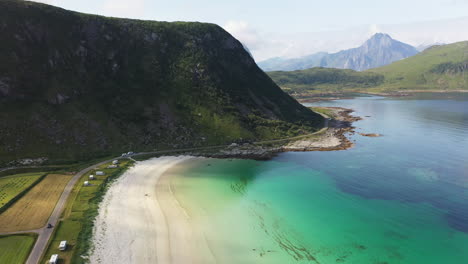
140,221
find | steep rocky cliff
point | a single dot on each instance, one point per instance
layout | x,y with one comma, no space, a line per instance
76,86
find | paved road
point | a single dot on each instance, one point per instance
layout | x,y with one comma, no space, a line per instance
45,233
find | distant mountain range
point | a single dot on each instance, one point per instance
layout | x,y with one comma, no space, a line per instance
440,67
379,50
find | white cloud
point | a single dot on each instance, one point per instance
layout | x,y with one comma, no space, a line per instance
374,29
265,45
429,32
457,2
262,45
244,33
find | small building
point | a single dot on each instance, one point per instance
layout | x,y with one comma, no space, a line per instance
115,162
86,183
53,259
91,177
63,245
112,166
100,173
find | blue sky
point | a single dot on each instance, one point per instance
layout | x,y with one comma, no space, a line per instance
254,22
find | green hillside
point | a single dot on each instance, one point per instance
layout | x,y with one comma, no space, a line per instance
76,86
441,68
437,68
324,79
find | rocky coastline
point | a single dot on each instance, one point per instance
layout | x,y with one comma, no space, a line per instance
332,138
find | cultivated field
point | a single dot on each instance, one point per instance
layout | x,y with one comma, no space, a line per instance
34,208
15,249
14,185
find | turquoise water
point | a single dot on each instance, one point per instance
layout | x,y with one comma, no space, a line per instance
400,198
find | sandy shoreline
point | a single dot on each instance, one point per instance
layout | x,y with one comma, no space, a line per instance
140,220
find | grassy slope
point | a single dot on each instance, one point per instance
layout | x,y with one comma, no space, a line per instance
437,68
419,71
76,86
317,80
15,248
328,112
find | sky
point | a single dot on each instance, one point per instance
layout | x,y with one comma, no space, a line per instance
294,28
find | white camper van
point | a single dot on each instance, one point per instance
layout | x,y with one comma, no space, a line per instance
53,259
63,245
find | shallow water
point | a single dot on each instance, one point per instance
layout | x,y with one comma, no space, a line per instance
399,198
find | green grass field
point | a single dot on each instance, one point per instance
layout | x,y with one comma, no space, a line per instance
14,185
15,249
81,208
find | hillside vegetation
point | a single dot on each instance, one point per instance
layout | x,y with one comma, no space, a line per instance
439,67
442,68
76,86
324,79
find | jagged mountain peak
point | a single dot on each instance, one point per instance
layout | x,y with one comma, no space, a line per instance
379,39
380,35
381,49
